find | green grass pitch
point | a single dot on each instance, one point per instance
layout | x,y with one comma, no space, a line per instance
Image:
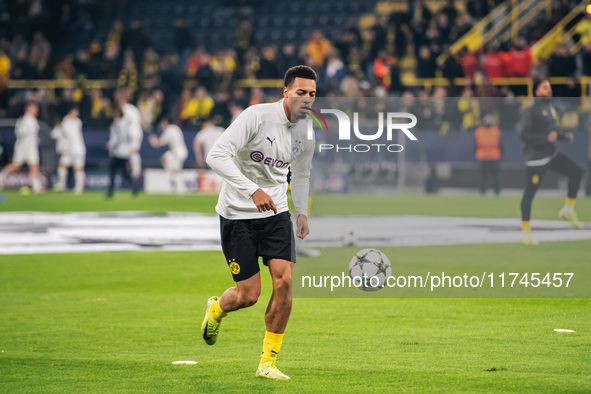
114,322
420,204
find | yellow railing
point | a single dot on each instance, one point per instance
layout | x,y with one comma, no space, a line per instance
473,38
476,38
278,83
61,83
106,83
519,22
579,44
512,18
430,82
545,46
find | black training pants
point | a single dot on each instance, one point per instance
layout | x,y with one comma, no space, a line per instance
563,165
489,167
119,164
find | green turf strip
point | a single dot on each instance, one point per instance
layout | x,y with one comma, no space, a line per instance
350,204
114,322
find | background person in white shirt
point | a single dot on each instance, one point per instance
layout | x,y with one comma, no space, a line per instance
72,150
173,159
132,124
204,141
26,148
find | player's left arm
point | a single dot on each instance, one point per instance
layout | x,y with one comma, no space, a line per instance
158,142
565,136
300,187
155,141
198,150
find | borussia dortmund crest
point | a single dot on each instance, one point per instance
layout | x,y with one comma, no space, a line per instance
296,147
234,267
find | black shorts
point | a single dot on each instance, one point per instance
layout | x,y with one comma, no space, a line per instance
244,241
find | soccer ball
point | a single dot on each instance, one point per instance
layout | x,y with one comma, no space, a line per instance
369,269
349,238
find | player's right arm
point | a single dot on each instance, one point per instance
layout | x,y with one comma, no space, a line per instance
17,128
56,132
20,129
263,201
112,137
131,115
198,149
220,159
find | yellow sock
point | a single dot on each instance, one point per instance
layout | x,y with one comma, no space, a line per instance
570,201
216,312
271,346
525,226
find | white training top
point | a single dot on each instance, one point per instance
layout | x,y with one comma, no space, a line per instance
208,137
57,133
72,142
256,151
173,137
119,140
27,131
132,124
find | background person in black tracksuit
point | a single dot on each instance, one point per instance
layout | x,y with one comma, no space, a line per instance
538,131
118,146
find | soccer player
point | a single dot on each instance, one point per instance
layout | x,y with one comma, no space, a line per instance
70,144
252,157
538,132
118,147
26,148
173,159
131,121
204,141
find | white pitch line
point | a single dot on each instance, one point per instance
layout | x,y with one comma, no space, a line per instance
94,232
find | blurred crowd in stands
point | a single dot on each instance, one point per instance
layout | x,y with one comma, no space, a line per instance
191,81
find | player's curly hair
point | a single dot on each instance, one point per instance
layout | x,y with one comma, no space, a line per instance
301,71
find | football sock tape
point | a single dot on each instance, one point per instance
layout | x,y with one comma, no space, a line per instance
271,346
216,311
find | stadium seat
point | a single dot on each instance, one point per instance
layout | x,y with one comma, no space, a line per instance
179,10
296,7
290,35
204,23
193,9
263,22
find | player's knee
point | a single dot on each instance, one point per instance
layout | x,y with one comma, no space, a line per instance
249,298
525,205
578,173
282,283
